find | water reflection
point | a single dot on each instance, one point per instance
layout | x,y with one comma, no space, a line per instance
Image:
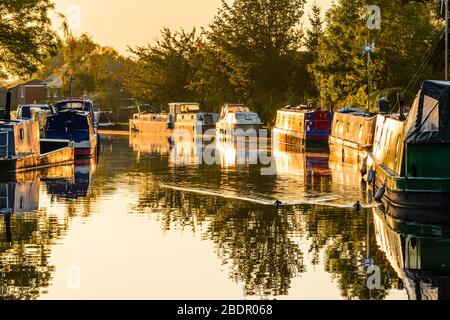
140,206
419,255
76,186
25,236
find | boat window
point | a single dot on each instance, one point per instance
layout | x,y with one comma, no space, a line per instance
361,132
430,116
341,129
397,150
22,134
413,171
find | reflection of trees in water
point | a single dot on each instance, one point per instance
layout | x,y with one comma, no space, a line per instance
257,243
24,268
254,241
342,234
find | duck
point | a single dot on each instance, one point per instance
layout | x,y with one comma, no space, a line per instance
357,206
278,204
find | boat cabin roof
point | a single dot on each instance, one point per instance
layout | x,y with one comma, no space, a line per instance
235,108
75,104
428,120
301,108
356,112
184,107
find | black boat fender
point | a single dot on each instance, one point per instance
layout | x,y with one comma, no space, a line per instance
371,176
380,193
364,167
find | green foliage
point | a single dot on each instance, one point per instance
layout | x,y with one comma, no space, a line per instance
98,72
26,37
407,32
249,54
315,32
257,43
163,72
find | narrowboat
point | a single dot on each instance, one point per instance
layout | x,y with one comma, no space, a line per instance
238,120
21,149
352,134
76,126
182,116
409,165
38,112
302,126
189,118
155,123
419,255
77,104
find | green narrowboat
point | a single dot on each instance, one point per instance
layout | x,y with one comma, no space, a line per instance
418,253
409,164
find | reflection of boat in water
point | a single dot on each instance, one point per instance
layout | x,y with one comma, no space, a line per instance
186,149
76,187
418,254
237,119
150,144
20,192
302,125
231,153
345,173
19,197
352,135
294,161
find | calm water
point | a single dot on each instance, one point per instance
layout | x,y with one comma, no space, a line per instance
148,221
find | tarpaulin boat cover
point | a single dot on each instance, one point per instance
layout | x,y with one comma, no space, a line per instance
429,117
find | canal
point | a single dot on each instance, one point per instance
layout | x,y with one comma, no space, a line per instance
149,220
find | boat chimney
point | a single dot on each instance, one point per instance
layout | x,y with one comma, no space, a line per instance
401,102
7,115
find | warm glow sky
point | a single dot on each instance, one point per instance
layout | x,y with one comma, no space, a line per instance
137,22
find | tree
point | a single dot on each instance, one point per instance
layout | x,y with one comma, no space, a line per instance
164,71
97,72
255,43
316,29
26,36
407,32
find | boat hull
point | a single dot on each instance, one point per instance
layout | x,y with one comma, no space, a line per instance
419,193
56,153
142,126
86,149
348,151
298,139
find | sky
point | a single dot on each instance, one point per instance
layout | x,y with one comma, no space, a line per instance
123,23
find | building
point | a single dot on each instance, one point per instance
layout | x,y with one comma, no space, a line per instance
31,92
